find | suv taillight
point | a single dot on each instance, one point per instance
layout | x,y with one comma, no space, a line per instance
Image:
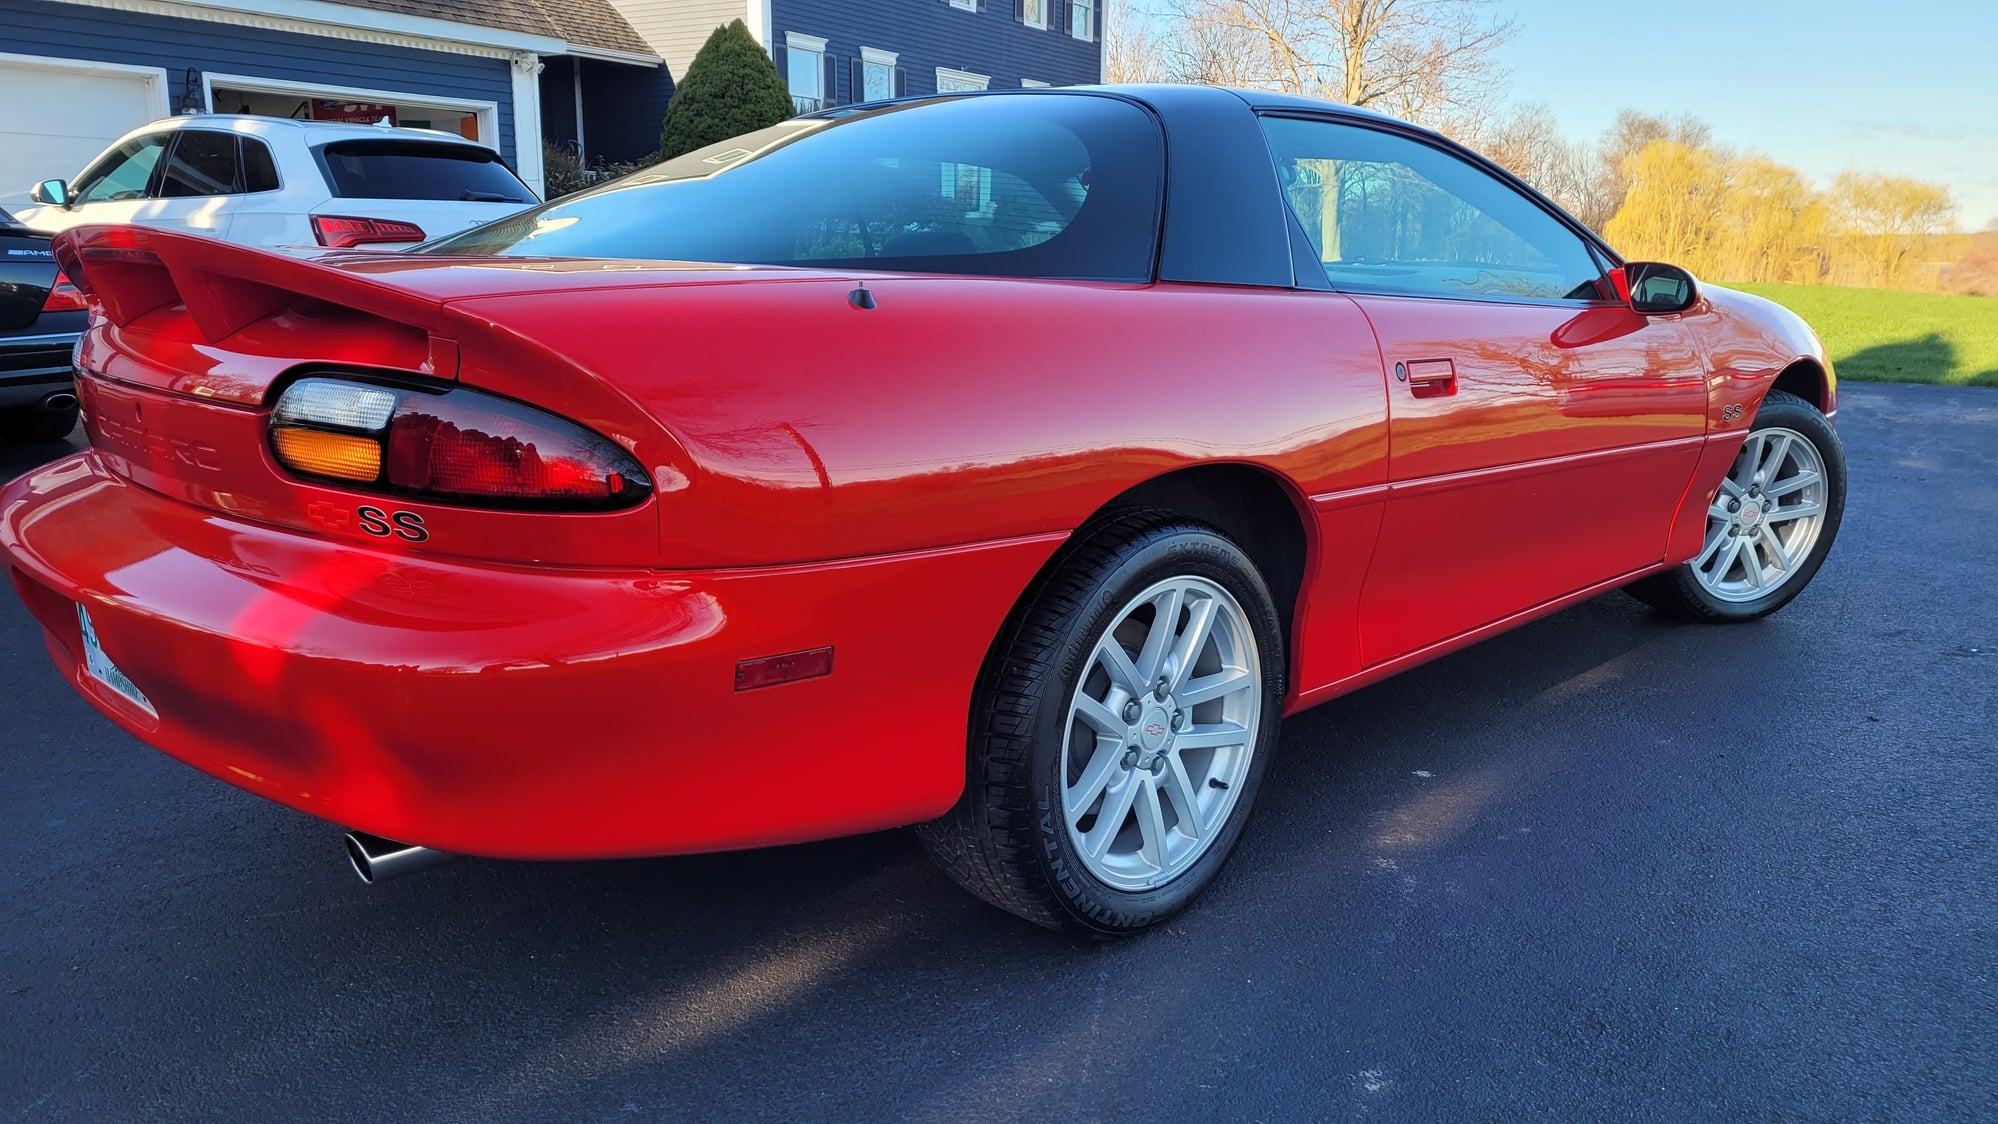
343,231
64,296
454,446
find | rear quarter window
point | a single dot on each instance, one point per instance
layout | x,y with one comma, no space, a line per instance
1040,185
401,169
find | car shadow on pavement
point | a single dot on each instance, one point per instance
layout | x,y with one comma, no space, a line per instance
578,979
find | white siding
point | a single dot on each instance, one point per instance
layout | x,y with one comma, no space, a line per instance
677,28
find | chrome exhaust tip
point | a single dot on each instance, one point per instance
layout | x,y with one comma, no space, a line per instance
60,400
376,859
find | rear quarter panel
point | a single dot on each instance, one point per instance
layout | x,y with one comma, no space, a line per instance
959,410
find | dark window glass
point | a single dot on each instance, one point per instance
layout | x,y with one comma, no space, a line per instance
1387,212
1029,186
259,170
397,169
203,163
121,173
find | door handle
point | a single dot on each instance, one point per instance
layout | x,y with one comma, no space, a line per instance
1428,378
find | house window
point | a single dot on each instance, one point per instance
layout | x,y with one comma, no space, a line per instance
957,81
1031,84
805,69
1034,13
1082,19
965,5
877,74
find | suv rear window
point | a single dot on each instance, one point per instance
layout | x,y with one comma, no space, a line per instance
400,169
1030,185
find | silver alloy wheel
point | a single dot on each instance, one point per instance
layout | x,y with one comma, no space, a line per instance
1765,519
1160,732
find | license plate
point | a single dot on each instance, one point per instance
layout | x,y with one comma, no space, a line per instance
99,666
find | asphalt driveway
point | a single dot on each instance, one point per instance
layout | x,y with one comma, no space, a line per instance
1605,867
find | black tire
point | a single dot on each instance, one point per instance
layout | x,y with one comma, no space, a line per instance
1678,591
1007,840
32,424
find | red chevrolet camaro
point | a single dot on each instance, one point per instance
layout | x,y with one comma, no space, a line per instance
1007,464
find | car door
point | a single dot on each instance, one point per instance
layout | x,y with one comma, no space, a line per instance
199,185
1541,433
114,188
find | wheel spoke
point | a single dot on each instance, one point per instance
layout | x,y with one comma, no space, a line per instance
1102,766
1186,650
1117,662
1746,461
1218,735
1797,483
1728,557
1751,563
1099,717
1165,623
1185,797
1774,544
1110,821
1210,687
1718,510
1715,538
1151,824
1734,490
1800,511
1774,451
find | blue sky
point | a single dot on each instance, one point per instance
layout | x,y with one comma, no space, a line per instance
1906,86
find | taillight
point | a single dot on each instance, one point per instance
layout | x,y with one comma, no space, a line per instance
64,296
457,446
342,231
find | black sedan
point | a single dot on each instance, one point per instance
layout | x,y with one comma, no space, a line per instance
41,315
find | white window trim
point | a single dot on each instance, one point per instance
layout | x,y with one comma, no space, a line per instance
1029,20
816,47
1095,21
1033,84
978,81
799,42
963,5
878,57
155,77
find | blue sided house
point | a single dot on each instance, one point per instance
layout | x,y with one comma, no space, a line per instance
835,52
75,74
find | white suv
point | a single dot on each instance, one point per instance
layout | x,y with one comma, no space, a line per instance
273,181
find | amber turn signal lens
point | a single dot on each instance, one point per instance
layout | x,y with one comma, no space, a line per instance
340,455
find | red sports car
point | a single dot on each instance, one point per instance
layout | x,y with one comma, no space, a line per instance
1007,464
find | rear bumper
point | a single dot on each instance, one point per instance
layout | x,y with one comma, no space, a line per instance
33,367
515,712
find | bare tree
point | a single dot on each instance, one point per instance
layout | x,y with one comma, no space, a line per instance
1428,60
1133,50
1529,143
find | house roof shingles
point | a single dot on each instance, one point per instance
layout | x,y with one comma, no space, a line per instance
583,23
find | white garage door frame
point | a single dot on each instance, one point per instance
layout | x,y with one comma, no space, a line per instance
155,77
486,111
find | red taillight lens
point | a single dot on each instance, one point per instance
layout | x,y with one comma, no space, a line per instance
64,296
456,446
342,231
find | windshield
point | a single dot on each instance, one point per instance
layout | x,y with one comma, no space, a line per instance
1041,185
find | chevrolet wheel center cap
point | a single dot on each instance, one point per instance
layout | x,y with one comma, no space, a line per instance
1154,728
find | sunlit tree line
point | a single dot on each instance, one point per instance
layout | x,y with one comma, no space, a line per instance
1656,188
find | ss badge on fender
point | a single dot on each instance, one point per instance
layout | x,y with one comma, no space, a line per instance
402,524
1731,413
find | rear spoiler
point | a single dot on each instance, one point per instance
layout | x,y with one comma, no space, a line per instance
129,271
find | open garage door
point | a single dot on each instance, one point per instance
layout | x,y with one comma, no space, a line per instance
60,113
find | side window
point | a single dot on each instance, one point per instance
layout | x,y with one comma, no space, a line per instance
122,173
259,170
203,163
1392,214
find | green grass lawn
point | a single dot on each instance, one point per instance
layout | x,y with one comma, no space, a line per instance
1878,335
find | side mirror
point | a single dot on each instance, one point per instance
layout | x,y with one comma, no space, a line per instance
55,193
1656,289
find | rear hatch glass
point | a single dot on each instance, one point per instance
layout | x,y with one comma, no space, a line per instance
403,169
26,271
